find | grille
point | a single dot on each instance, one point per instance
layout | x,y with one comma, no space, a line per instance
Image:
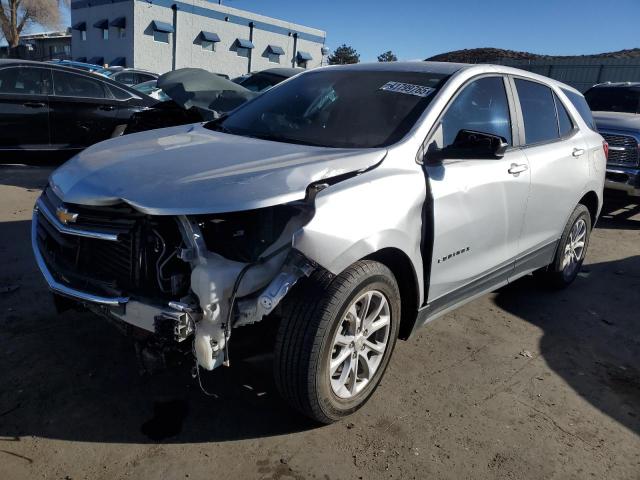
128,266
623,150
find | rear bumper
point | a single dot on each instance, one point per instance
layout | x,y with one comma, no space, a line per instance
623,179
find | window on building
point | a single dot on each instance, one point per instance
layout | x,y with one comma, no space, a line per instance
274,53
105,34
303,58
482,106
208,46
83,35
122,32
538,112
162,37
243,52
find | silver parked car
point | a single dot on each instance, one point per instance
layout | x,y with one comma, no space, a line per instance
342,209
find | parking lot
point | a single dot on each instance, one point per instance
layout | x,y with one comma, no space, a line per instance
523,382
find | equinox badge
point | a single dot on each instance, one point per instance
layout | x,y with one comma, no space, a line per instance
65,216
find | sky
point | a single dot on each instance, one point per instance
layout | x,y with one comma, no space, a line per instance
417,29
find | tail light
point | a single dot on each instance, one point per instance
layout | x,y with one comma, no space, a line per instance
605,147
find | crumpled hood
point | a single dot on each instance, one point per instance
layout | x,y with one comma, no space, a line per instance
192,170
617,121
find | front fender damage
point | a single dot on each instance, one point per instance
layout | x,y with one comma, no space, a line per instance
245,284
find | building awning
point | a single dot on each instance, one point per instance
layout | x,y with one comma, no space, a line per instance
209,36
80,26
304,56
120,22
244,43
162,26
102,24
81,59
275,49
97,60
119,62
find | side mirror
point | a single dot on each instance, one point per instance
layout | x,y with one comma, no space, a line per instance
470,144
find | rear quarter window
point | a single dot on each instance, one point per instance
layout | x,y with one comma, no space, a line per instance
581,105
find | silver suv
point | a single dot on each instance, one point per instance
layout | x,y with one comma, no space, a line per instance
342,209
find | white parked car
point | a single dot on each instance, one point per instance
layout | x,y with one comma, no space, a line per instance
344,208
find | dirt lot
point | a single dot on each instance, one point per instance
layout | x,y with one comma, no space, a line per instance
522,383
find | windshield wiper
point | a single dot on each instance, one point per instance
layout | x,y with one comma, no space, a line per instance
216,125
280,138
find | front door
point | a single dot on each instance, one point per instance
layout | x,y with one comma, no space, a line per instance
24,107
478,204
82,110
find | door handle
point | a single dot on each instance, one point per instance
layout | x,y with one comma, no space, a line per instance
108,108
517,168
577,152
34,104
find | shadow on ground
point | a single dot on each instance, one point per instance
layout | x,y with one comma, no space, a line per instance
591,333
620,211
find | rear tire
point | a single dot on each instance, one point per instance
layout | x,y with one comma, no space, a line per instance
336,339
571,250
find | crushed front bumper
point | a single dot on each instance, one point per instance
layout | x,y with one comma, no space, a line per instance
138,314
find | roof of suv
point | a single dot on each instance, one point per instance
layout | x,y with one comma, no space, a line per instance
617,85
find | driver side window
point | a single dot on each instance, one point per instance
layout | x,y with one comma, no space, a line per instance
482,107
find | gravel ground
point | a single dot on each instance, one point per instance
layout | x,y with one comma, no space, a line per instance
522,383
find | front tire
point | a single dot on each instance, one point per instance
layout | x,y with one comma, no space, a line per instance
571,251
336,339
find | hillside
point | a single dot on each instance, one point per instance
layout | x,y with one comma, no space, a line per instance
487,55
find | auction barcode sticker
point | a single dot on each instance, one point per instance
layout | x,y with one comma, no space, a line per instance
407,89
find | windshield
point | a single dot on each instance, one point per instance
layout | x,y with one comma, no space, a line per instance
613,99
337,108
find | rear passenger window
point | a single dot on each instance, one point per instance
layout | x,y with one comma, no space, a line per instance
25,81
118,93
564,120
538,112
580,103
72,85
482,107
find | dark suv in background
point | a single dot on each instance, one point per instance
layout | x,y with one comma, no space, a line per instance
616,110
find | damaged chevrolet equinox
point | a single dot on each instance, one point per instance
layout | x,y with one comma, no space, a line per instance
345,208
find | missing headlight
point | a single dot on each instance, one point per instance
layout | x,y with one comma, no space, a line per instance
244,236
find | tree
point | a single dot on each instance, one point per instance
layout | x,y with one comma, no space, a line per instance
344,55
387,56
15,15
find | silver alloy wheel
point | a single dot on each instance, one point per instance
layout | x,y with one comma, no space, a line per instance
359,344
574,248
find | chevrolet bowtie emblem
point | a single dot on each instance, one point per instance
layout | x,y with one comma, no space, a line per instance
65,216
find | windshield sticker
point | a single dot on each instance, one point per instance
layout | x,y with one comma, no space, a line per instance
407,89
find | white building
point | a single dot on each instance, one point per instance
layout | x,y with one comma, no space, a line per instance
162,35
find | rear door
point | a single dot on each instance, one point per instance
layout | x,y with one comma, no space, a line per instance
83,110
478,204
559,167
24,107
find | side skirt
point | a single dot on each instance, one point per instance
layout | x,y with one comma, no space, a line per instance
510,272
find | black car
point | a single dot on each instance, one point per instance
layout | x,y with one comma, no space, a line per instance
265,79
44,106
